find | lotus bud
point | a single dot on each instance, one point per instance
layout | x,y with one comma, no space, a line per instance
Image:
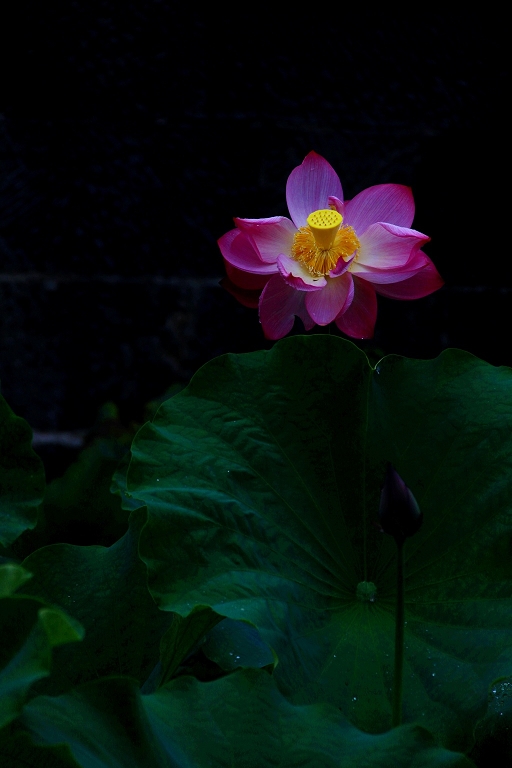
399,513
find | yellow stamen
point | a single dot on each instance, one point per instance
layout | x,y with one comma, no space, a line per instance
319,245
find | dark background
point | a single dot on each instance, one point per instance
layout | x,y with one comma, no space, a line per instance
130,135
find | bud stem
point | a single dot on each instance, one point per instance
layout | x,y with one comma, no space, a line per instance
399,635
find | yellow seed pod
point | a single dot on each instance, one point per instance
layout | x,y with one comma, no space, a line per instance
324,224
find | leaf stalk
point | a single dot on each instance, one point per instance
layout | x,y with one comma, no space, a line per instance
399,635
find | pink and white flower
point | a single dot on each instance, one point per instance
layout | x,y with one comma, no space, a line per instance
330,260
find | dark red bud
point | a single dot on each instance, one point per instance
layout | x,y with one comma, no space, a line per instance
399,513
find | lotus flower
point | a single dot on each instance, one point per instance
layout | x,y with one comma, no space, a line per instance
330,260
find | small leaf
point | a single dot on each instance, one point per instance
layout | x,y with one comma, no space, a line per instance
105,589
12,576
29,631
182,637
60,629
21,477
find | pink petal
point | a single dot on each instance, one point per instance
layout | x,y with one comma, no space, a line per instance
237,249
386,246
337,204
297,276
279,303
421,284
247,280
247,297
270,237
341,266
325,305
416,262
392,203
358,321
309,186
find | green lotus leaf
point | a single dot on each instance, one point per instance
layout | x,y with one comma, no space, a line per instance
105,589
30,630
239,720
19,751
232,644
21,477
262,482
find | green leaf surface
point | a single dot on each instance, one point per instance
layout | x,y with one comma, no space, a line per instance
262,481
118,485
79,507
19,751
105,589
21,477
232,644
494,732
239,720
29,631
104,724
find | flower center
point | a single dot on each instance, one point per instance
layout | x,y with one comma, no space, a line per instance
324,224
319,245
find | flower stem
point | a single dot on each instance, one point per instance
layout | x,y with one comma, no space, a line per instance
399,635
